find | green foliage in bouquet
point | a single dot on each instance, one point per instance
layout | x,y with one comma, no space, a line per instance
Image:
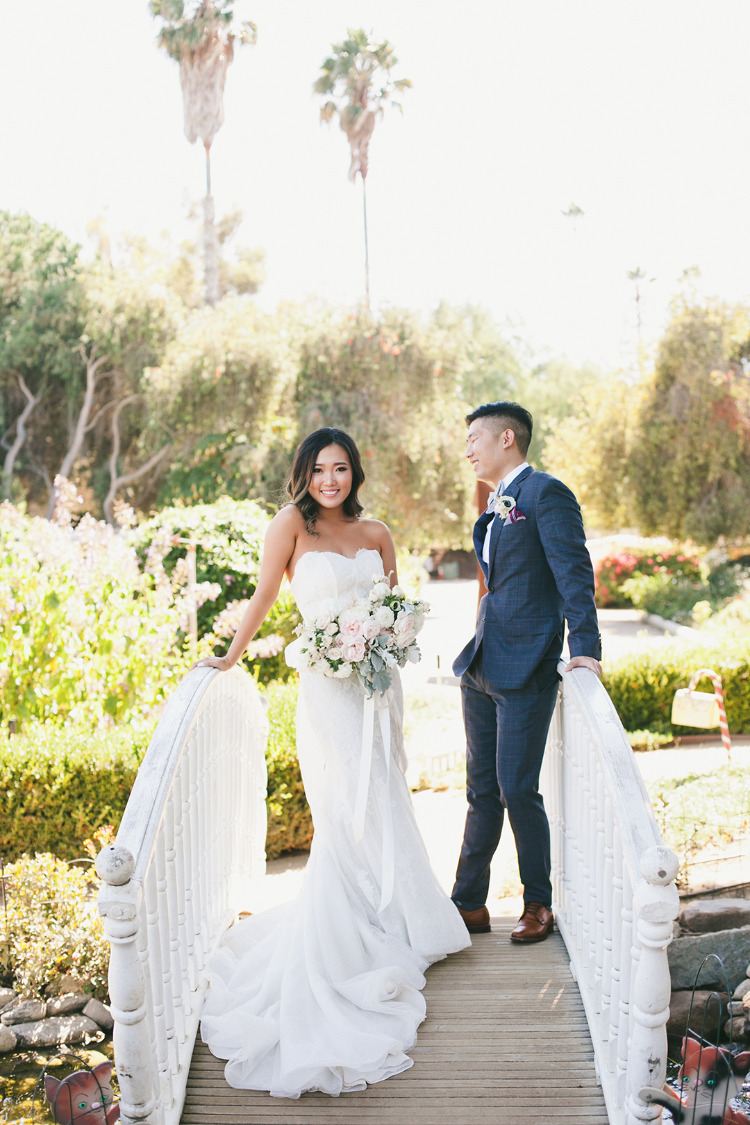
642,686
51,926
88,634
229,542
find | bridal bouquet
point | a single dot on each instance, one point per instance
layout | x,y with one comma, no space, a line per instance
373,635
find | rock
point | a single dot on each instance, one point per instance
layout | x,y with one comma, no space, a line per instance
7,996
741,990
706,1016
686,953
24,1011
737,1031
59,1029
712,914
71,1002
64,984
101,1014
8,1039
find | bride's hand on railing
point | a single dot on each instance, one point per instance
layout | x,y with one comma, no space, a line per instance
220,662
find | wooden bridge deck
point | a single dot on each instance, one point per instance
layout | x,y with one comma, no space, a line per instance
505,1042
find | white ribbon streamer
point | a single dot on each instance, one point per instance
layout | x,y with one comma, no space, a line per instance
377,703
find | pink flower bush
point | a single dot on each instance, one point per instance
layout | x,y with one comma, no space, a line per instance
616,568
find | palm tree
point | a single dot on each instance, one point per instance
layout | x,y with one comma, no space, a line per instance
356,81
201,35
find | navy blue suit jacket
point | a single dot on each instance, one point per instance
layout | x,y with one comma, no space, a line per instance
539,576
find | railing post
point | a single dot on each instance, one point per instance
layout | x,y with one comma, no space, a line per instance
119,906
656,911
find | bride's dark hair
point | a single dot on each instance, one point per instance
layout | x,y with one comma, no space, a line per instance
298,484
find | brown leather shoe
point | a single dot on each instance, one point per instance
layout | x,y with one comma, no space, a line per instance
534,924
477,921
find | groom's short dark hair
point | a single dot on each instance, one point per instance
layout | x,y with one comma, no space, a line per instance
510,416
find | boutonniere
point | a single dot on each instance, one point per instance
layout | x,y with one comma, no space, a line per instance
505,507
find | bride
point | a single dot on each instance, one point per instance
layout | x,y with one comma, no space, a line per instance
324,993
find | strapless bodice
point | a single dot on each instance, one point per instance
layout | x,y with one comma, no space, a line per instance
327,582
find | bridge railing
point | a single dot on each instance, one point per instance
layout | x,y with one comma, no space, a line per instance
191,839
614,890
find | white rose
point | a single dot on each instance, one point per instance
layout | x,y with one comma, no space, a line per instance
323,621
343,671
370,628
399,591
335,652
331,629
384,617
377,593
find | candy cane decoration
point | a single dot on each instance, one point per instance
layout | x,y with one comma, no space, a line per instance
715,679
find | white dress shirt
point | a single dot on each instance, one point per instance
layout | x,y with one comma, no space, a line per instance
502,485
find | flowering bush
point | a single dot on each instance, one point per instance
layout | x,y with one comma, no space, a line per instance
51,925
229,541
369,638
87,632
613,570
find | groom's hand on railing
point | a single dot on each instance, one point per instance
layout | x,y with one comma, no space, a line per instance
585,662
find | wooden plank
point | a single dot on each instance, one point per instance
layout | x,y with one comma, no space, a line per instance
505,1041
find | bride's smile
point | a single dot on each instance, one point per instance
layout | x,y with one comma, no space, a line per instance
331,480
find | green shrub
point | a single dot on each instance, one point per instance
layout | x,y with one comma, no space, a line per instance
58,785
229,536
642,685
647,739
676,596
665,595
289,820
701,810
51,926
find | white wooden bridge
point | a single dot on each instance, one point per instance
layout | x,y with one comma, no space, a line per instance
563,1033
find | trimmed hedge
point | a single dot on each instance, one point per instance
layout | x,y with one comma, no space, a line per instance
290,824
642,686
58,785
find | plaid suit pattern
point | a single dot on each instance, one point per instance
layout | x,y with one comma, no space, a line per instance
539,575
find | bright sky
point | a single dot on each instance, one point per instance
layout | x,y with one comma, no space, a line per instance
634,110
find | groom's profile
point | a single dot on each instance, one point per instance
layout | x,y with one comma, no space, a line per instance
532,549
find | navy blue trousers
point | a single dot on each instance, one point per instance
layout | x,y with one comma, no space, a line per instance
506,732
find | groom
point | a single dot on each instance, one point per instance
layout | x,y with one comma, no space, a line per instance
531,546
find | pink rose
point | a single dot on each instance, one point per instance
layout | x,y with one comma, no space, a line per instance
370,629
354,650
405,631
351,628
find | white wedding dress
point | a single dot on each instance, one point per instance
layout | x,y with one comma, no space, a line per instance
323,993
